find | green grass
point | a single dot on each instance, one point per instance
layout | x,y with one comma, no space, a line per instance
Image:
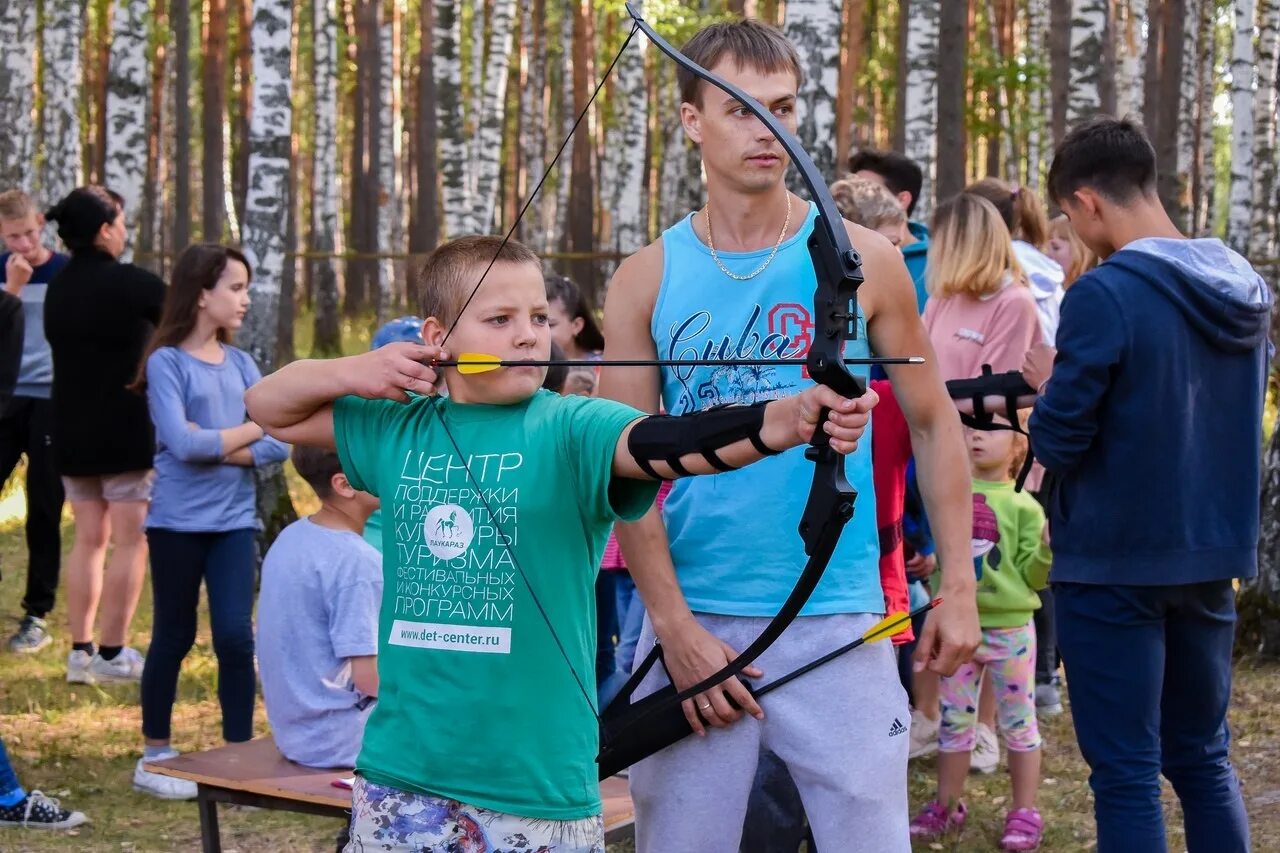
80,743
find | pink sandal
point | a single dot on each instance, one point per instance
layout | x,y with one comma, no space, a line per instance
1022,830
934,822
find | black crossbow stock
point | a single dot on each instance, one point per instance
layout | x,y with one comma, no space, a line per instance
632,731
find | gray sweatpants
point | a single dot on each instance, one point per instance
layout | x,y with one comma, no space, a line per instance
842,730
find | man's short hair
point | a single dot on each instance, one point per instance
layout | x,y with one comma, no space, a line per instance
752,43
1108,155
15,204
900,173
448,275
317,466
867,203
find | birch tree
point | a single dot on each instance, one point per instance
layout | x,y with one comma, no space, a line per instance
1204,184
1187,126
489,118
17,89
1037,63
814,27
624,167
1262,239
1088,29
324,184
1131,51
533,122
452,134
567,115
267,203
62,161
126,153
1242,71
921,102
680,183
388,196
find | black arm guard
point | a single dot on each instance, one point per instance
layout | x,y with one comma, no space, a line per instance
665,438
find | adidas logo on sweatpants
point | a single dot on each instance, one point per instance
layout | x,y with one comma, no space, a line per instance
897,728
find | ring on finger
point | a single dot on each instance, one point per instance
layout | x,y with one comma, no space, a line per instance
704,707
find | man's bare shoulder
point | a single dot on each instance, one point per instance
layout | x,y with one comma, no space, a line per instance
884,272
636,281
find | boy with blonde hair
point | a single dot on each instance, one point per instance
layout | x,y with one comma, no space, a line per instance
499,501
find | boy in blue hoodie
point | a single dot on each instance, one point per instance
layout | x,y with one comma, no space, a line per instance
1152,424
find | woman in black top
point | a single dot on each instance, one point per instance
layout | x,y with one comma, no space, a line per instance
99,315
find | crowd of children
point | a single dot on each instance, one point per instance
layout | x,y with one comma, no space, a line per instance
454,617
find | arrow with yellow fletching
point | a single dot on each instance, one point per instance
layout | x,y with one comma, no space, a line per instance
890,626
478,362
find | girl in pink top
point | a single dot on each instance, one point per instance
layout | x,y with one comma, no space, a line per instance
980,310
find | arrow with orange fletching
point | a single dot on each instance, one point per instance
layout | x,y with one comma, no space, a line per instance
469,363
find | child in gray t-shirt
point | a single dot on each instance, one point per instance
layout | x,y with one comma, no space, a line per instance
318,621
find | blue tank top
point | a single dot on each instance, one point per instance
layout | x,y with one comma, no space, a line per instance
733,535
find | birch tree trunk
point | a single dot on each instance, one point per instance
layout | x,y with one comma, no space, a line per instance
1188,124
17,90
1131,52
624,167
921,103
680,185
324,186
1242,72
267,203
1262,240
1203,184
490,117
1088,28
62,168
567,114
814,27
1258,604
1037,63
533,122
447,58
126,152
388,213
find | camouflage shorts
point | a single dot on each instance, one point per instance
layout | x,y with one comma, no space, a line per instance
385,819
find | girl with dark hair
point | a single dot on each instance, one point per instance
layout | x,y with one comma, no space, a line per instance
98,314
572,320
202,522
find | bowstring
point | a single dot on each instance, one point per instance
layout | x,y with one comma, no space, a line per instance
506,544
545,174
542,610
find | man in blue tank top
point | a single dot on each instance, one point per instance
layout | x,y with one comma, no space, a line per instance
735,280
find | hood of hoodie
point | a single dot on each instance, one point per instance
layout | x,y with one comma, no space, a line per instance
921,245
1216,289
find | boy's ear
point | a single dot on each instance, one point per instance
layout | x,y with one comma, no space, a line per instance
1086,201
341,486
433,331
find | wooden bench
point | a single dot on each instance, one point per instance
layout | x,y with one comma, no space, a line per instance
256,774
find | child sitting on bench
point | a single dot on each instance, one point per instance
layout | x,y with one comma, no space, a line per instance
318,621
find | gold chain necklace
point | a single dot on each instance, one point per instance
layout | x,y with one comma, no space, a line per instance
711,244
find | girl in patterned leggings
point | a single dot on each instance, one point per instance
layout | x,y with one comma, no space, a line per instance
1011,556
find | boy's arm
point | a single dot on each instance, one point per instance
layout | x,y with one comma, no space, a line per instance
295,404
951,630
364,674
1090,342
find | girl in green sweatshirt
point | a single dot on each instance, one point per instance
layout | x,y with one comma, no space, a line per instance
1011,557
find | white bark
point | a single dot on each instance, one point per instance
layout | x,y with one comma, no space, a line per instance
623,170
533,128
1131,53
921,107
17,91
324,178
680,183
1206,86
564,167
1242,75
1188,108
1262,239
1037,60
61,77
1088,25
266,208
487,159
127,85
814,27
447,60
388,215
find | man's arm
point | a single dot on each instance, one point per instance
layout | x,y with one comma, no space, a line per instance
295,404
888,298
364,674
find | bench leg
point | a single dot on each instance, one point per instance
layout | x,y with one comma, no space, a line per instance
210,839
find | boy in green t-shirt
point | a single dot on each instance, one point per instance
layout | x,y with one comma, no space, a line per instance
497,505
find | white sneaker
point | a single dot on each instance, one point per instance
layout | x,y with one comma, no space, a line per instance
126,666
924,735
78,667
986,751
1048,700
160,786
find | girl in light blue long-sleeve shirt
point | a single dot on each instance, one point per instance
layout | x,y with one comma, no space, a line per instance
202,521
